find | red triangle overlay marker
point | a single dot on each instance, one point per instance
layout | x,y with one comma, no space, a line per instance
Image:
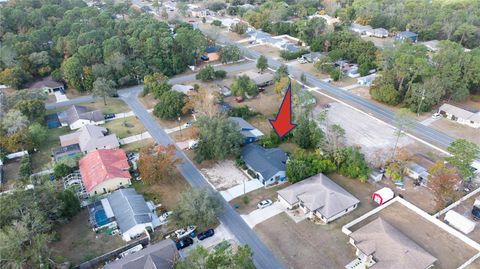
283,122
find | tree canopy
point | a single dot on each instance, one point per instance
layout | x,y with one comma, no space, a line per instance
200,207
82,44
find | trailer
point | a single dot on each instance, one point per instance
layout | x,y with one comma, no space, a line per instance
459,222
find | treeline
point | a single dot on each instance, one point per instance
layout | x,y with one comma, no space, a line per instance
453,20
410,77
27,222
81,44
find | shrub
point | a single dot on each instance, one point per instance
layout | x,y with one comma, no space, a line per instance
220,74
246,199
217,23
170,105
335,74
243,112
287,55
206,74
385,93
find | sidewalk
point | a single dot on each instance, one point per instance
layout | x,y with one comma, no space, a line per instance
134,138
237,191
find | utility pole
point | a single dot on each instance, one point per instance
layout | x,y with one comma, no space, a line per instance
421,100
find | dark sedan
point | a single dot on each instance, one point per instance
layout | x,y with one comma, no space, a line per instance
184,242
208,233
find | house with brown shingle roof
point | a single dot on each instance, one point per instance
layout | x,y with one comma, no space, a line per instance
90,138
318,197
78,116
381,246
48,85
104,170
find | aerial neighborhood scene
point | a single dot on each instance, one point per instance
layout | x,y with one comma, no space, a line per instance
241,134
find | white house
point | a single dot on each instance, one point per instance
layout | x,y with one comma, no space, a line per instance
367,80
78,116
460,115
380,245
266,165
132,213
185,89
319,197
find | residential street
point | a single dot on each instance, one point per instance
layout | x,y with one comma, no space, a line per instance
419,130
263,257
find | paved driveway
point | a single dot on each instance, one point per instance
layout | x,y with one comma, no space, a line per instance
261,215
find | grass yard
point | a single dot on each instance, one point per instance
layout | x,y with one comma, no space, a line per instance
255,197
137,146
10,174
185,134
147,101
78,243
125,127
166,192
42,157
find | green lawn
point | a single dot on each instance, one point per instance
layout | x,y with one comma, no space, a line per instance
125,127
114,105
137,146
42,157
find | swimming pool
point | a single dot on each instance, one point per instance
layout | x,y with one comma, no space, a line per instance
101,218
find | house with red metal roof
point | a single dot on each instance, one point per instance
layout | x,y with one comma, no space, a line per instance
104,170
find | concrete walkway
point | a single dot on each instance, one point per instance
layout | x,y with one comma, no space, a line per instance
238,190
261,215
134,138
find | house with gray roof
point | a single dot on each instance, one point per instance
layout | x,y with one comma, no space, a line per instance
360,29
131,212
48,85
161,255
406,35
250,133
380,245
266,165
90,138
318,197
78,116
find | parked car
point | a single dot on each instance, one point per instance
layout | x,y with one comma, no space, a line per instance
189,123
164,217
184,242
476,213
302,60
261,89
436,115
109,116
264,203
208,233
180,233
204,58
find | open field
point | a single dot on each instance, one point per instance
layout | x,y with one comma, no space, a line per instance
224,175
43,156
125,127
78,243
368,133
10,174
450,251
457,130
268,51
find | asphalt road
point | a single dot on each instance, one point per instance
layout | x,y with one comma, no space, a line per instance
263,257
174,80
428,134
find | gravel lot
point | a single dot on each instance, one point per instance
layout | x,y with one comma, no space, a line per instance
368,133
224,175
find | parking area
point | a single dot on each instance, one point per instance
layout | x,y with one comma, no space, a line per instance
450,251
